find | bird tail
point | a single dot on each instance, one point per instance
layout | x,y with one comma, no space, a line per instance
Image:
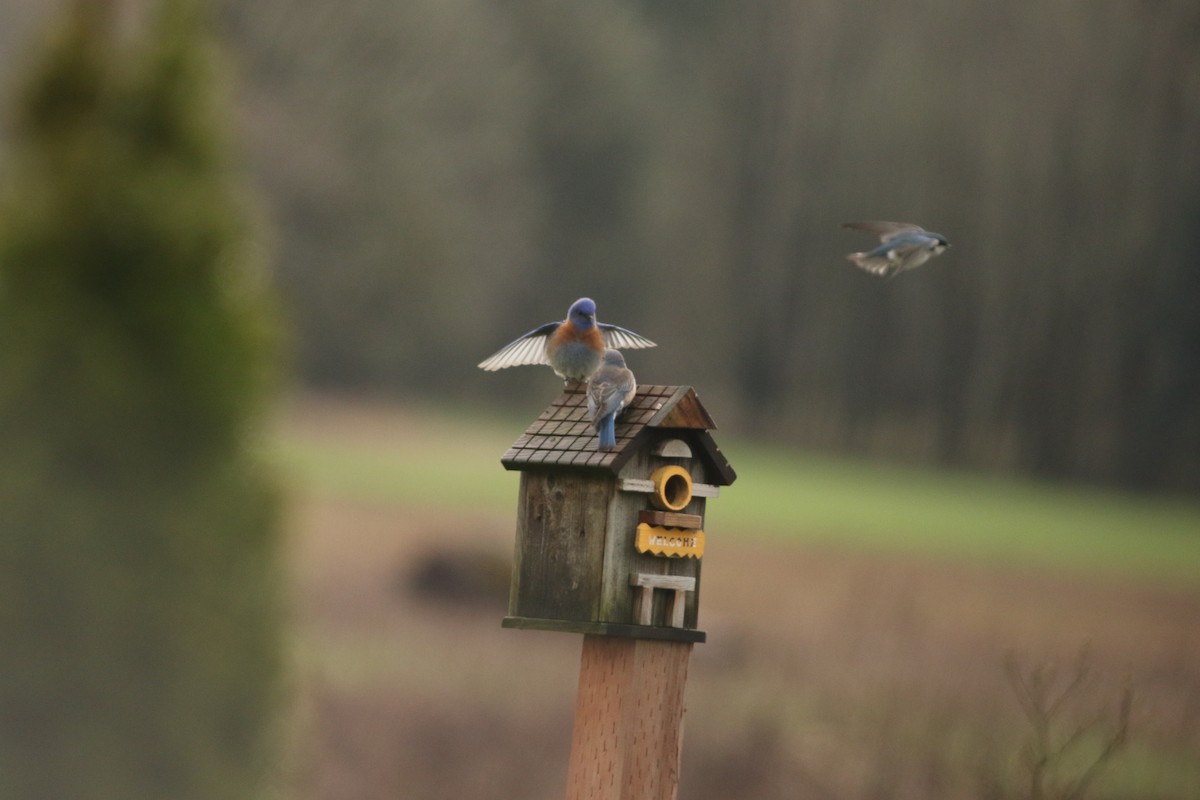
608,433
874,265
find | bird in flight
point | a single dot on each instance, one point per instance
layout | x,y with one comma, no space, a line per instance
904,247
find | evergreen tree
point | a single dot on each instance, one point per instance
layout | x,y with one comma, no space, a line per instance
139,641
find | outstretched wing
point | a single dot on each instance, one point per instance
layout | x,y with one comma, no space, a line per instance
894,256
884,230
618,338
528,349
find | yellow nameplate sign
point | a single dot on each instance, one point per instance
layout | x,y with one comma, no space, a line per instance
673,542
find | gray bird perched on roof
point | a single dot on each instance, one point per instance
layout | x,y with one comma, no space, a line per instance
610,389
904,247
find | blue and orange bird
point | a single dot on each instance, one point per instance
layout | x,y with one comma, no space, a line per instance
611,388
904,246
573,347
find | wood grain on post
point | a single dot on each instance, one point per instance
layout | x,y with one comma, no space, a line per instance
628,719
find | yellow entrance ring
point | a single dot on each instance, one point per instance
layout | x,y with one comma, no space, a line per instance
672,488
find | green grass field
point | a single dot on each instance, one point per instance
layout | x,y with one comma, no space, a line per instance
437,461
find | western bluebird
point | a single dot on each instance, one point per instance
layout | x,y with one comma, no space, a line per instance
904,247
610,389
573,347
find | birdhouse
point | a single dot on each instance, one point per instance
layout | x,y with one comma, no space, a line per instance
611,542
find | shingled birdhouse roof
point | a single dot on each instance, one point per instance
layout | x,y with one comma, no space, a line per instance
563,437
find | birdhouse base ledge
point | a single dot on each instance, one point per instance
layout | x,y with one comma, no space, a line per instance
606,629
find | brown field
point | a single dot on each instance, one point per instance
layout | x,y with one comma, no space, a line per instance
827,674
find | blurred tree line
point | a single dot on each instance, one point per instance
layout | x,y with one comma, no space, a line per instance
446,174
139,608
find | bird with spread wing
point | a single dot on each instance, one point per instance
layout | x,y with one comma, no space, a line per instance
903,247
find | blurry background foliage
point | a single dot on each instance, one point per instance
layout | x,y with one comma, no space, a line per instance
443,175
139,642
446,174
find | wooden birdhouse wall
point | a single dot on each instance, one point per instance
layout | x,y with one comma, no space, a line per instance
621,559
562,524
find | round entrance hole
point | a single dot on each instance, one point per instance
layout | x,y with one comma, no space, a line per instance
672,488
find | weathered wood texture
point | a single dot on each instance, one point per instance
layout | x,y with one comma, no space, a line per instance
629,630
559,560
621,559
670,519
643,597
628,720
646,486
687,413
674,583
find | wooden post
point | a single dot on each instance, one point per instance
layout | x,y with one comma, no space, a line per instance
628,719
